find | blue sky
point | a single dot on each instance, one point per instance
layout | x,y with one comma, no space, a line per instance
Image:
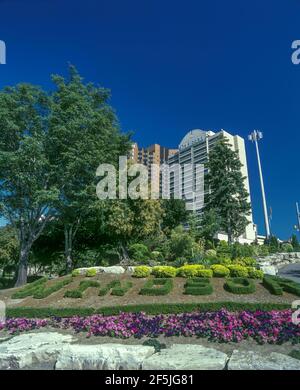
174,66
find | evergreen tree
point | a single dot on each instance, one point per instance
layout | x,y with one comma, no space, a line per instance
295,242
228,195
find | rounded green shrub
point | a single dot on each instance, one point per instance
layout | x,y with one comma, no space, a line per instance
205,273
239,286
245,261
254,273
239,271
211,253
142,271
75,272
164,271
189,270
220,271
91,272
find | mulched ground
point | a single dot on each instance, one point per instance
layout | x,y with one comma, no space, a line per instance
91,298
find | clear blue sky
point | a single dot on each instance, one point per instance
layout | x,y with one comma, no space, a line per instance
177,65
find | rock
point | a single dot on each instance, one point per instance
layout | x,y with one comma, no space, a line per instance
115,269
186,357
242,360
269,269
130,269
32,350
103,357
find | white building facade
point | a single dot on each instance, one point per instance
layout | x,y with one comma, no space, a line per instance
194,150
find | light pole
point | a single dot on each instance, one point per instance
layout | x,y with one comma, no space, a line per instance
255,136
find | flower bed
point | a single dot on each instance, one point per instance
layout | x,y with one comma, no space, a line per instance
220,326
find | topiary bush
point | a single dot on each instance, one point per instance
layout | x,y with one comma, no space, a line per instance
122,289
276,285
157,287
142,271
220,271
189,270
114,283
84,285
75,272
239,286
164,271
198,286
205,273
91,272
245,261
238,271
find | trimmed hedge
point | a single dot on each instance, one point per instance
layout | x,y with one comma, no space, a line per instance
276,285
91,272
239,286
84,285
238,271
198,286
141,271
220,271
114,283
29,289
122,289
164,271
189,270
43,292
155,308
150,288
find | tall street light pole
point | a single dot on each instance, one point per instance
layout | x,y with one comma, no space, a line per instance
255,136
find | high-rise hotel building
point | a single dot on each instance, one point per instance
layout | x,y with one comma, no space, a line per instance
194,149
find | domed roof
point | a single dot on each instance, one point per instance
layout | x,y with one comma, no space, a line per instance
191,137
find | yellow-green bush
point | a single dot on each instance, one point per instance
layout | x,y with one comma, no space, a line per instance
164,271
254,273
205,273
189,270
142,271
238,271
91,272
220,271
75,272
245,261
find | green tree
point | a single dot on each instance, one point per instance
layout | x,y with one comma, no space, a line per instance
228,195
295,242
83,133
28,188
9,249
174,213
209,224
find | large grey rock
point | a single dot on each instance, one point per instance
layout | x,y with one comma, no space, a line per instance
103,357
269,269
241,360
31,350
186,357
115,269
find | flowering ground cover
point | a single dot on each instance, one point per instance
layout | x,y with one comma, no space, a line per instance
274,327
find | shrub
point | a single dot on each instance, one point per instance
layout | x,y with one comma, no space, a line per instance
254,273
42,292
211,253
29,289
220,271
198,286
205,273
287,247
245,261
114,283
189,270
162,271
122,289
91,272
239,286
276,285
142,271
238,271
75,272
139,253
150,287
84,285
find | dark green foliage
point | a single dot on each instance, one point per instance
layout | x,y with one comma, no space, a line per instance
295,242
276,285
114,283
150,287
30,289
122,289
198,286
43,292
295,354
239,286
153,309
175,213
156,344
84,285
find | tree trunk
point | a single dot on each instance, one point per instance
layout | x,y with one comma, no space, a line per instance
23,264
68,247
